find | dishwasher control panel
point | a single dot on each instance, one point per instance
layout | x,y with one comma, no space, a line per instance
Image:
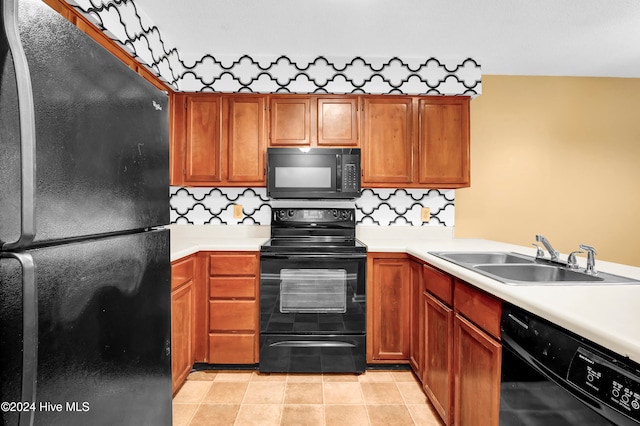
606,381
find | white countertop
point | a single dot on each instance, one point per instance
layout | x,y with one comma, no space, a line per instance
189,239
606,314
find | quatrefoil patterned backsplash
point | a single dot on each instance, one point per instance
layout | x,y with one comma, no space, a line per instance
281,73
376,207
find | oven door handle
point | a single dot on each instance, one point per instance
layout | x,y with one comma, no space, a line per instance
313,256
313,344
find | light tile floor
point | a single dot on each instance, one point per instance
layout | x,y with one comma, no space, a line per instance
384,398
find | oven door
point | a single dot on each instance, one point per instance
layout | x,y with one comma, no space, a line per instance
313,313
313,293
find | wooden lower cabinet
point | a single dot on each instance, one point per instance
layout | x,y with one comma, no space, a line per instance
438,354
182,320
462,351
416,343
233,320
477,375
388,296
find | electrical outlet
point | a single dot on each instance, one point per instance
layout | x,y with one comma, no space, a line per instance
237,211
425,214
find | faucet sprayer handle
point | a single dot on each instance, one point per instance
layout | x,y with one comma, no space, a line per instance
539,251
588,248
591,259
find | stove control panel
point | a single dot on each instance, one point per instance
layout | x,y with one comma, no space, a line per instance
614,386
313,215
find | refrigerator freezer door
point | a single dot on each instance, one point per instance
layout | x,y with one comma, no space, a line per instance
103,332
102,162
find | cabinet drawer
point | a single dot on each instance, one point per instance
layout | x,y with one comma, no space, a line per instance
232,287
479,307
232,348
439,284
234,264
182,271
232,315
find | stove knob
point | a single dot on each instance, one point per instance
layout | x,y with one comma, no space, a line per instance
281,214
335,213
345,214
290,213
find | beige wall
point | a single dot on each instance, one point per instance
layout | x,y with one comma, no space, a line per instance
558,156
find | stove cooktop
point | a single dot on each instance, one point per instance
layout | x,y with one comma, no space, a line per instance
317,230
304,244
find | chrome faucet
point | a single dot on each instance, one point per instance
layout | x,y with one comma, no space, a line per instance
572,262
553,253
591,259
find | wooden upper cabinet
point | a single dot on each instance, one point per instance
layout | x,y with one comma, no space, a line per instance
338,121
218,140
290,121
406,141
387,142
313,121
244,131
443,141
203,139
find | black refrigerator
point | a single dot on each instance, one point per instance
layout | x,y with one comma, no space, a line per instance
85,314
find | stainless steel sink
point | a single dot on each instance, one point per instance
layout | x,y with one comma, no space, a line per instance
519,269
536,273
480,257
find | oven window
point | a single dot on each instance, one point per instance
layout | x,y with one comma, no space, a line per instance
313,290
303,177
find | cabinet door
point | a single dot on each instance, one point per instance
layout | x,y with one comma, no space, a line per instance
416,344
443,141
338,121
387,141
182,320
438,364
245,141
203,147
290,121
477,362
390,293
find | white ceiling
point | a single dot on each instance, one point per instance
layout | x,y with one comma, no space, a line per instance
520,37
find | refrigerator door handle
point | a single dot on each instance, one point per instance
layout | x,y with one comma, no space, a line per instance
29,334
27,127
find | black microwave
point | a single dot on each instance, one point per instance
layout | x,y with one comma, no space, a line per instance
309,173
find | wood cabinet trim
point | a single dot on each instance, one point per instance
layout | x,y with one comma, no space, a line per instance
86,26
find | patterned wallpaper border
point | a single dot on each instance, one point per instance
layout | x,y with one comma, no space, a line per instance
122,21
379,207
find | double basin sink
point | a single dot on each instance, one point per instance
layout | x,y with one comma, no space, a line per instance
519,269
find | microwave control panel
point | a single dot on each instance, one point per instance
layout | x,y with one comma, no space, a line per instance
609,383
350,174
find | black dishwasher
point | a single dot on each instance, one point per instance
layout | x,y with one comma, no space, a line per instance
553,377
